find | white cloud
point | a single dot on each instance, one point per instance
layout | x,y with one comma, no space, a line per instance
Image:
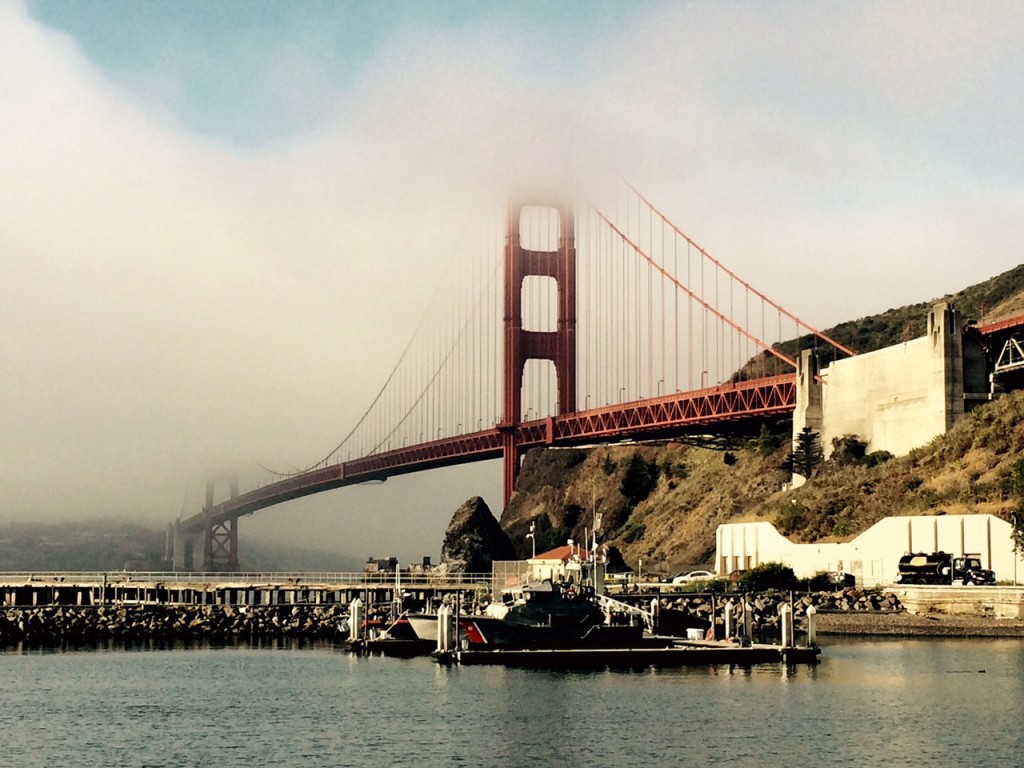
171,304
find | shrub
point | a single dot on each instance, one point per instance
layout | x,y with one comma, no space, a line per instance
768,576
574,457
848,450
912,483
792,518
875,458
671,468
634,533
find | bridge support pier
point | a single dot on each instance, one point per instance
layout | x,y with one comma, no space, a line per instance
180,548
558,346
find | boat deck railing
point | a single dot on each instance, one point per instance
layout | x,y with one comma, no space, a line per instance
611,605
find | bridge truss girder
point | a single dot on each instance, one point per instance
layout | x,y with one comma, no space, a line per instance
707,411
1011,356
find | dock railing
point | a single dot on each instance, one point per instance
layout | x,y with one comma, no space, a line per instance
251,578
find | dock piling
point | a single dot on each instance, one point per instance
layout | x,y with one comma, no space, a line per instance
786,620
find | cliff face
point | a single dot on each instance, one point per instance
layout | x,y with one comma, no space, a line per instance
661,503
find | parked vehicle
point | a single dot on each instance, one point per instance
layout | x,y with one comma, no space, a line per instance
692,576
942,568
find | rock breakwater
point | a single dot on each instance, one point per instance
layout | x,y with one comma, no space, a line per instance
765,607
64,625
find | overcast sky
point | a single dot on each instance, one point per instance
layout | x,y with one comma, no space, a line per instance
216,219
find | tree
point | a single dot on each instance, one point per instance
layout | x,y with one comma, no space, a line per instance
1016,488
806,456
640,478
768,442
767,576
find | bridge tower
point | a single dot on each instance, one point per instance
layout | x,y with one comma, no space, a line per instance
220,537
558,346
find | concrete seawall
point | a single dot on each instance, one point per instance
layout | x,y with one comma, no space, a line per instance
985,602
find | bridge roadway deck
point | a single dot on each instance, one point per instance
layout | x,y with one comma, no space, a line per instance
704,411
168,588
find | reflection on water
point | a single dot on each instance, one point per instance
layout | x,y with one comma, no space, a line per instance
892,702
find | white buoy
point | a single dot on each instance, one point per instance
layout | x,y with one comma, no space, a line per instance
786,620
812,618
727,613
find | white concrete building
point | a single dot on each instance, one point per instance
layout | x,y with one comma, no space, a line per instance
873,556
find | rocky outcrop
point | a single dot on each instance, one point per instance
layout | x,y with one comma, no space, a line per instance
474,540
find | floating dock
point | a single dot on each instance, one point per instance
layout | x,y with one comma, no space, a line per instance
679,654
399,648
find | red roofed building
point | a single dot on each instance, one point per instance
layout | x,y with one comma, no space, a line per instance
560,563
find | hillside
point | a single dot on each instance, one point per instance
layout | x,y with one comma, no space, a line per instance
995,299
105,545
663,502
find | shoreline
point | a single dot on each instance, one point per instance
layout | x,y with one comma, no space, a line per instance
902,624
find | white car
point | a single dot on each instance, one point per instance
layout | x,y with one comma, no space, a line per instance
692,576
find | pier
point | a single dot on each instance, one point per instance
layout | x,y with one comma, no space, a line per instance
21,590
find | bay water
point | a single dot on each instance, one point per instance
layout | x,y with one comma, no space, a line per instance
908,702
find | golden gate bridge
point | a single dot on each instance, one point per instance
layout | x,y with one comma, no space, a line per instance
560,325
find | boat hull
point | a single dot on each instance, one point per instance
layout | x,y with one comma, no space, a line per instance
675,655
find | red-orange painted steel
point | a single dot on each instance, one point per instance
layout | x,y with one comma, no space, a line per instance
704,411
1002,325
559,346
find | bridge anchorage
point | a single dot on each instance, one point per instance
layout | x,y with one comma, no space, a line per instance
612,307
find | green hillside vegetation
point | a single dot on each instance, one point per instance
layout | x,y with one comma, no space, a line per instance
992,300
662,503
79,546
995,299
